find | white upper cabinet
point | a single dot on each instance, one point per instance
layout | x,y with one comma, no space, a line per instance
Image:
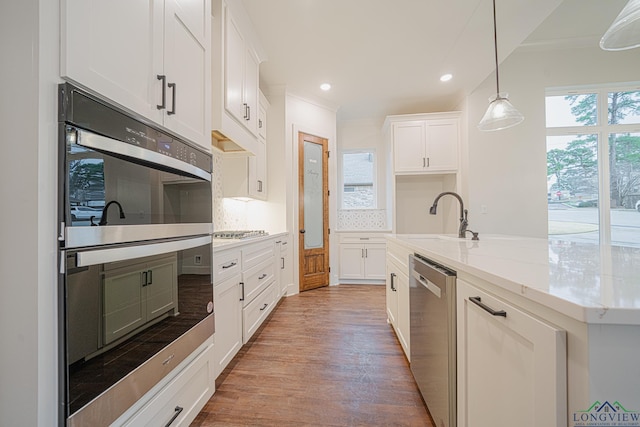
236,64
151,57
425,143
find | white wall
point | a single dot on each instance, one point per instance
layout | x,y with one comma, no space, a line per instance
507,169
365,134
28,131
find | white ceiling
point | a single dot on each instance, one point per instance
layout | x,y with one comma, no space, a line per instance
385,57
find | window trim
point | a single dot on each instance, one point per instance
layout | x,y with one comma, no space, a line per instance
371,151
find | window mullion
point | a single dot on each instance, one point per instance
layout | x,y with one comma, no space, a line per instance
604,172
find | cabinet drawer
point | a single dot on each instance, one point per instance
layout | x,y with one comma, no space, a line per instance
361,238
226,264
256,253
182,398
255,312
256,279
400,255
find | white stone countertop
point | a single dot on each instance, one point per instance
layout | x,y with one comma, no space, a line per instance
224,244
591,283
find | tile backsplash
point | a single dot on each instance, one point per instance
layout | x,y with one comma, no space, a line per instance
228,214
362,219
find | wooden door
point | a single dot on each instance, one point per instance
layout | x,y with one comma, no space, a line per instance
313,211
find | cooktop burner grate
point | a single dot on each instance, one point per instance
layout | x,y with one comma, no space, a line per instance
238,234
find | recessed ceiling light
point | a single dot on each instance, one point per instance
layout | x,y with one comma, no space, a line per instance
325,86
446,77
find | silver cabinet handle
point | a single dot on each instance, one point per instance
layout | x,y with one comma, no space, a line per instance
282,268
177,412
173,100
259,186
393,287
163,78
478,301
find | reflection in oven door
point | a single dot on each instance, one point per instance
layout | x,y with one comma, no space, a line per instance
126,303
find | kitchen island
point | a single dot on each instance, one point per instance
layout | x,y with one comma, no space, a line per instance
568,344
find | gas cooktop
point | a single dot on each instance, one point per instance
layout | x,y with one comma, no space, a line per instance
238,234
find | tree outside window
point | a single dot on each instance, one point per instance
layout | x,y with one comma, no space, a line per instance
593,166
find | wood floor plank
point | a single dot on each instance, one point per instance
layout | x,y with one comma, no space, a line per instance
325,357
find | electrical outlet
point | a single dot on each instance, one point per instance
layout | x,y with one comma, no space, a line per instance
197,260
483,209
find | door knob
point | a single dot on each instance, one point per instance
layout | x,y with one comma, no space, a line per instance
303,231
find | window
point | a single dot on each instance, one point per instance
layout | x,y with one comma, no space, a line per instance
358,179
593,165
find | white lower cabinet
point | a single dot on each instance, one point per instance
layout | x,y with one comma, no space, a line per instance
228,309
397,294
246,290
180,401
257,310
511,364
362,257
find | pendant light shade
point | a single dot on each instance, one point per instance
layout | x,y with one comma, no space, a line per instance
624,33
500,114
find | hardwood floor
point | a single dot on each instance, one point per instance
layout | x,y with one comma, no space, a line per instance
325,357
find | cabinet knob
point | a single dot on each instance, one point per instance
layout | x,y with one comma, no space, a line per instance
302,231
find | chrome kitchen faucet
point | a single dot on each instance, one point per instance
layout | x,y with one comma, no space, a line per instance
462,231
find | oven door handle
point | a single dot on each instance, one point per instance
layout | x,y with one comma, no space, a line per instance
103,256
99,142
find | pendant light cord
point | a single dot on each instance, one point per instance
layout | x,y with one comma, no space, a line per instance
495,48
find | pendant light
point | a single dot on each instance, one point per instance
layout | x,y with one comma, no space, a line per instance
500,114
624,33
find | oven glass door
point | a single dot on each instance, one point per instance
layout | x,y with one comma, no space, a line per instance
107,192
125,303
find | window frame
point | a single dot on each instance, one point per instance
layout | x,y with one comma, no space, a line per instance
374,177
602,130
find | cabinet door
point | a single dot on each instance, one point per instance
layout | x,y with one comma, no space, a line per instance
409,146
115,48
402,328
285,272
161,289
351,261
262,123
511,369
250,90
187,66
392,294
258,172
228,309
124,308
234,56
374,261
442,145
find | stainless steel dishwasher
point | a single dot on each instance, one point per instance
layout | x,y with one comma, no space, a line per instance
433,337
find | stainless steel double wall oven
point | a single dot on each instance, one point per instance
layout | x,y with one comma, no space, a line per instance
136,294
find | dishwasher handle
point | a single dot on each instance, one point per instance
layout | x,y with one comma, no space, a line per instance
433,288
